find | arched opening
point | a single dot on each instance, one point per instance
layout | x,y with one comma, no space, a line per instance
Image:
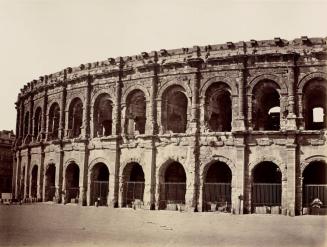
217,187
266,106
174,110
266,188
34,182
99,184
314,101
75,118
133,184
315,185
135,113
172,186
37,123
50,180
102,116
218,107
274,118
72,183
26,124
54,120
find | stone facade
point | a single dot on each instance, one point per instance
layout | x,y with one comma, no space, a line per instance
7,139
169,121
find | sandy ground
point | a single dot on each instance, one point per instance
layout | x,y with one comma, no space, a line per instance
59,225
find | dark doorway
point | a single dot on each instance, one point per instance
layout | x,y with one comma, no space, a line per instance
217,188
100,184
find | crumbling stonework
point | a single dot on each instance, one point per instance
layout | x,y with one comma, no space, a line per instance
174,128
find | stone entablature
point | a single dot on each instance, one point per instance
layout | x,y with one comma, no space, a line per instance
191,105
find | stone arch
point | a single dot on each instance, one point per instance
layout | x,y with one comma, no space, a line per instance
132,181
218,79
266,105
76,109
136,112
218,107
314,158
99,160
102,113
173,190
37,121
133,87
72,175
72,99
222,159
125,162
34,179
26,124
281,165
312,101
99,177
269,77
308,78
164,165
217,185
313,181
48,163
50,181
167,84
175,110
53,120
69,161
100,92
50,105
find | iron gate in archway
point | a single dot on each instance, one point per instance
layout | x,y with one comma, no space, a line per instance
100,191
133,190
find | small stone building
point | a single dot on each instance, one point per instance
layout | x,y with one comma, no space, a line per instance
7,139
238,127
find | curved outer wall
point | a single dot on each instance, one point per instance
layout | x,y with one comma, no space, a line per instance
240,67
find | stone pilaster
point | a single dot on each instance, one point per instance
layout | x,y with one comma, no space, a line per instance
150,186
87,109
41,176
117,187
291,117
63,112
240,125
44,115
193,186
83,195
31,116
238,178
60,179
27,175
291,176
249,103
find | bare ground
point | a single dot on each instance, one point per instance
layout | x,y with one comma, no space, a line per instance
59,225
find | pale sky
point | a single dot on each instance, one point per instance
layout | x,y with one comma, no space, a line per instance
39,37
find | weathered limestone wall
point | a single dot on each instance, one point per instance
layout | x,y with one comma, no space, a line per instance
240,68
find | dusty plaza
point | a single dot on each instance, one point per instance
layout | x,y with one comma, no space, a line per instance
59,225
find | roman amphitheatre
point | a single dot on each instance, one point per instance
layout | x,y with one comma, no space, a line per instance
238,127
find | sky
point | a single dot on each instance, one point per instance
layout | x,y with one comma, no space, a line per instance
39,37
